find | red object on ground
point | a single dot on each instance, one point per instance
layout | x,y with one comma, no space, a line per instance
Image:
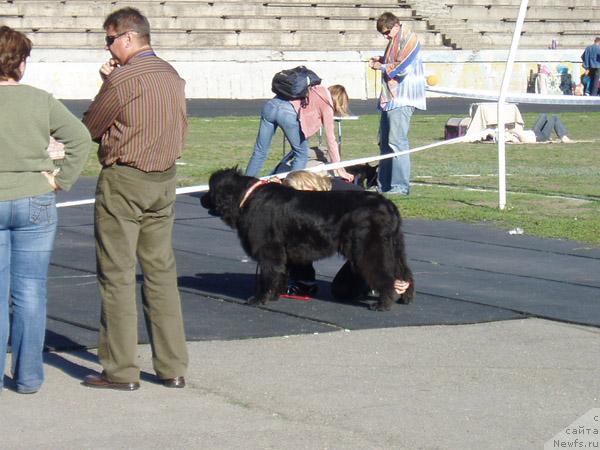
302,298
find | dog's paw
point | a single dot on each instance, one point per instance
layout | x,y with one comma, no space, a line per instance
257,301
405,299
378,306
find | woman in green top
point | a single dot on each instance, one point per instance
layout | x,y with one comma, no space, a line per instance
28,181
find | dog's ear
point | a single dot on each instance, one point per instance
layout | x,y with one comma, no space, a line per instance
233,171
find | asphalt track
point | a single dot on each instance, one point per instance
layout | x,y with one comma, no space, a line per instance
463,274
454,107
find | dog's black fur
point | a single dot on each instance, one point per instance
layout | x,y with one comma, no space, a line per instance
365,175
278,225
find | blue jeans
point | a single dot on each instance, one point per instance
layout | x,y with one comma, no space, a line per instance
278,113
394,173
27,229
544,127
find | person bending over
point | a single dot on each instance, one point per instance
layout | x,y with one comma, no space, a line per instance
299,122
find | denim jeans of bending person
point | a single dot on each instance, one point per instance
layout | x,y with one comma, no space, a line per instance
394,173
278,113
27,230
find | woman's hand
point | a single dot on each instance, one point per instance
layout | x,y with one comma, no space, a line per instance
345,175
51,180
400,286
56,150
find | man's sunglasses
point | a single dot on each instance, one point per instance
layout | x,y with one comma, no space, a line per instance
110,40
387,32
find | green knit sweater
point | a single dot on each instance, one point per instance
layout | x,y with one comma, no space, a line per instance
28,117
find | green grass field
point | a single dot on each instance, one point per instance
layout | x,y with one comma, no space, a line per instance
554,189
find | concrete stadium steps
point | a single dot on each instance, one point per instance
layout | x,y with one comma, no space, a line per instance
537,3
537,40
216,8
308,24
231,23
557,27
482,24
494,12
302,24
316,39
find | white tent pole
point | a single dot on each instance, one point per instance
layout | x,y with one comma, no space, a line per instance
503,90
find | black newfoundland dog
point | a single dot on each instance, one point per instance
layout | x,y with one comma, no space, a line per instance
278,225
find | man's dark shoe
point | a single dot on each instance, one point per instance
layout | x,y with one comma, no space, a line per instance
177,382
100,382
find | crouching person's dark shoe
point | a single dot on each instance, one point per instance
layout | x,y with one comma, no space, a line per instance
101,382
177,382
302,288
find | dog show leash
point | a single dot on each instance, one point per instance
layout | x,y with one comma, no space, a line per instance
259,183
247,194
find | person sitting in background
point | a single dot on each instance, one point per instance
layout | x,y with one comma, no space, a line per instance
541,132
299,122
28,218
545,125
347,284
586,80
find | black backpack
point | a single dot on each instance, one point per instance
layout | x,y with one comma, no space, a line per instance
293,84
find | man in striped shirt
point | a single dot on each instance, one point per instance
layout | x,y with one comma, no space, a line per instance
139,119
402,90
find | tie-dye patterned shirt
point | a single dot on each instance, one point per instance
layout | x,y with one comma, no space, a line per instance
402,76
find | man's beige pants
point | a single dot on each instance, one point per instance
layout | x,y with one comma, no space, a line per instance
134,216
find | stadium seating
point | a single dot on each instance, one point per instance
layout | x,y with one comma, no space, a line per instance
569,23
290,24
308,24
245,41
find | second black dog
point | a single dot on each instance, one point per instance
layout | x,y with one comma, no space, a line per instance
365,175
278,225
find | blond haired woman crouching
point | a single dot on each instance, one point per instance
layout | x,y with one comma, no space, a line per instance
347,284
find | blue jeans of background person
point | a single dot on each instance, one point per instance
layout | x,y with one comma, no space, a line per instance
394,173
278,113
595,77
27,230
544,127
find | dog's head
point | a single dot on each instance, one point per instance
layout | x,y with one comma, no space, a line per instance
365,175
226,188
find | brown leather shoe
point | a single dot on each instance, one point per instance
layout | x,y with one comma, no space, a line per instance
177,382
101,382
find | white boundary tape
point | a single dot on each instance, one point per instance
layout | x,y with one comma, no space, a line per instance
515,97
464,93
319,168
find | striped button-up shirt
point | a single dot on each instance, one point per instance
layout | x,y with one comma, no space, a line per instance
139,115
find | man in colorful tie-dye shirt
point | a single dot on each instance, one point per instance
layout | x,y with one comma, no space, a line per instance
402,90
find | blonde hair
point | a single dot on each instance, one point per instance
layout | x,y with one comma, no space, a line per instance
307,181
340,100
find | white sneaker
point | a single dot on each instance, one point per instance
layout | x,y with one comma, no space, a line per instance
565,139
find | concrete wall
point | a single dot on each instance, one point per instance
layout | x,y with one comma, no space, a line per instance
236,74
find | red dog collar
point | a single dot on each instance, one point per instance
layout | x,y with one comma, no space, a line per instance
252,188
